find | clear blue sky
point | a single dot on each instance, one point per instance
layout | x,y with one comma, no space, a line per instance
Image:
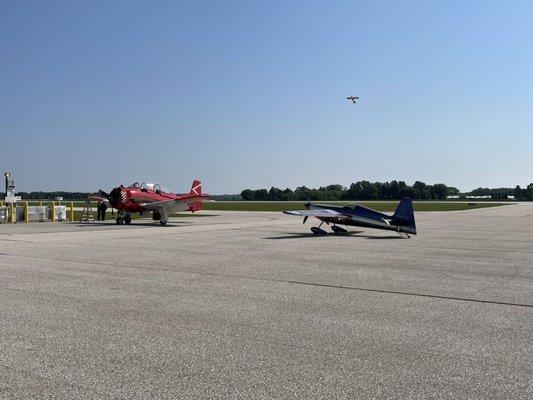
250,94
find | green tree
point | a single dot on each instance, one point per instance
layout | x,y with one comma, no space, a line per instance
248,195
275,194
440,190
261,195
529,191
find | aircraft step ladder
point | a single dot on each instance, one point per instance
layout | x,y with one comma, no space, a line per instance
87,213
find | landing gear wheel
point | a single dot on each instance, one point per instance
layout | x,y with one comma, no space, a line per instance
318,231
127,219
120,220
163,223
338,229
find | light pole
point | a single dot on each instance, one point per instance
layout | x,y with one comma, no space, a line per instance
7,175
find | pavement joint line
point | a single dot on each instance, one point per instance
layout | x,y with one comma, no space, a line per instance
434,296
325,285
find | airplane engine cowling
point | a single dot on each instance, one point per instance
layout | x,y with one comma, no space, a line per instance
115,197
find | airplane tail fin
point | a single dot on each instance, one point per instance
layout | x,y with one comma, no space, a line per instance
404,216
196,190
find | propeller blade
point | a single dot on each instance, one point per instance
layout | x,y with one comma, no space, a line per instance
98,198
103,194
305,219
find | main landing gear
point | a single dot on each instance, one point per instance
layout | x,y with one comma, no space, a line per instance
317,231
123,218
338,229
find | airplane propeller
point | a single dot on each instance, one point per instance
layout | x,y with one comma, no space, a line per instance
305,219
101,196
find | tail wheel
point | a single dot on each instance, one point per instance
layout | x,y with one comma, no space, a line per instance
163,223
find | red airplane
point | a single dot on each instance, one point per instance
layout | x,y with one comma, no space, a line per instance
149,197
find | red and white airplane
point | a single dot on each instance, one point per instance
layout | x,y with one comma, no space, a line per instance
149,197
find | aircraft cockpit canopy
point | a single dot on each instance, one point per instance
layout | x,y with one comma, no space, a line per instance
349,205
147,186
153,187
134,185
160,189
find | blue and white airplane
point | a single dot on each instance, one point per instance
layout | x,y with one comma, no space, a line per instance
402,221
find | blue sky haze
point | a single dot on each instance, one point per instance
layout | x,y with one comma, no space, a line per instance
250,94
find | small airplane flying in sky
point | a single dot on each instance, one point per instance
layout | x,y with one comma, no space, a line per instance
353,98
402,221
149,197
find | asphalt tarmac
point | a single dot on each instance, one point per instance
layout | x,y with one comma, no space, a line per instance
252,305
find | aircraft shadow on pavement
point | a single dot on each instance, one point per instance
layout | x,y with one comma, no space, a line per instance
354,234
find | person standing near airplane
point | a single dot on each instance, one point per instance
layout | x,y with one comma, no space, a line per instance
103,209
98,207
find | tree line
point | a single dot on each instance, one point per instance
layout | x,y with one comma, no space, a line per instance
362,190
502,193
52,195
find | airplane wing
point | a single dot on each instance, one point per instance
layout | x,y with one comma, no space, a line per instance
322,213
172,205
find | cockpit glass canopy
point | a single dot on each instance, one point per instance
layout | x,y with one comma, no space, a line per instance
156,187
144,186
349,205
147,186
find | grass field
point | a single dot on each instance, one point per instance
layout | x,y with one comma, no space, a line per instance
297,205
376,205
257,206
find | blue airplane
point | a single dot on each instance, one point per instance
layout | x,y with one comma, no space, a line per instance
402,221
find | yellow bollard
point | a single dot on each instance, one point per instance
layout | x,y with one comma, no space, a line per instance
53,212
71,211
26,213
12,213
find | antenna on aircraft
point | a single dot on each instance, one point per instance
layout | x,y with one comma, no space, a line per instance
353,98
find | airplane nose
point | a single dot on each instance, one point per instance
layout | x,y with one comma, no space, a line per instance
114,196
